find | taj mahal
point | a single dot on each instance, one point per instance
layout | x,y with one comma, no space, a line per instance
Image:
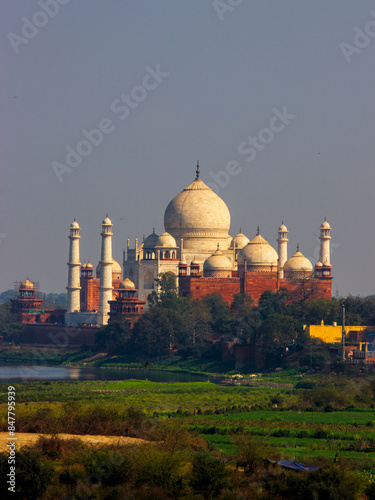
197,249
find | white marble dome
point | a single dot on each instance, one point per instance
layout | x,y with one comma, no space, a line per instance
240,240
298,263
166,240
151,241
197,214
258,252
217,262
116,268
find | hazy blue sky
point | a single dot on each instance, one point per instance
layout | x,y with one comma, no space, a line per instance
223,72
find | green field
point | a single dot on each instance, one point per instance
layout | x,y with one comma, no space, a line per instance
193,425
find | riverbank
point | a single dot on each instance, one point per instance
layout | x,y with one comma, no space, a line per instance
215,371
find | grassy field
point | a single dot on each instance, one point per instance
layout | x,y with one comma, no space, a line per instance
193,425
214,412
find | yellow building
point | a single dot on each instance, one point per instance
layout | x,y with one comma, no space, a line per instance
330,333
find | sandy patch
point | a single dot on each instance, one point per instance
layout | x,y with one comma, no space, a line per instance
26,438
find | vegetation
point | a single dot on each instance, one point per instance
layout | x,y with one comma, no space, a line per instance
202,440
188,328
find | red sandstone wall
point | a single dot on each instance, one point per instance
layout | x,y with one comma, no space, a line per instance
310,290
58,336
255,284
227,287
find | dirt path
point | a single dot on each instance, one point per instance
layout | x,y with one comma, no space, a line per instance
26,438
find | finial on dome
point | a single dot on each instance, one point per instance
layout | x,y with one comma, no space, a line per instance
297,247
325,219
218,246
258,231
240,229
106,214
197,171
153,230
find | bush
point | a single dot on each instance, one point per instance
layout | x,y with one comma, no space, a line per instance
333,483
33,475
209,474
250,453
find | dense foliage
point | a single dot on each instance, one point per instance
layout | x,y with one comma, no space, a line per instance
190,328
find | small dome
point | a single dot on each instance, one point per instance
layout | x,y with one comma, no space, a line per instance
166,240
151,240
194,262
84,265
116,268
107,221
182,262
217,261
89,265
283,228
258,252
325,225
240,240
26,284
127,283
74,225
298,263
318,264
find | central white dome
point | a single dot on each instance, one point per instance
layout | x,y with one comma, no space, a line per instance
196,213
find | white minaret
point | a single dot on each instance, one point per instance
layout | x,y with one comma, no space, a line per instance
282,250
74,269
105,271
325,230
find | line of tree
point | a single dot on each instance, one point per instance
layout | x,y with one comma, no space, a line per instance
190,327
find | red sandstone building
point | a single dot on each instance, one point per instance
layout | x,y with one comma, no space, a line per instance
28,306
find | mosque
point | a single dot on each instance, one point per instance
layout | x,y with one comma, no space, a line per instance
197,249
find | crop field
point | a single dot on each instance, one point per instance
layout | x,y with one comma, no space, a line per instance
215,413
195,424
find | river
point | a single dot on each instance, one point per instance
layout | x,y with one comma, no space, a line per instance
16,373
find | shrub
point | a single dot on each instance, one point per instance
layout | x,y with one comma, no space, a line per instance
209,474
333,483
33,475
250,453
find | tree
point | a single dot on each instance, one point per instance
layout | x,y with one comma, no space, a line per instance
167,294
9,328
275,334
209,475
114,337
153,334
242,307
196,323
222,319
272,303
